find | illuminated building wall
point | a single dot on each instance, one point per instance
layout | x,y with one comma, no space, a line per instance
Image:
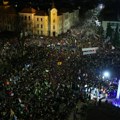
60,25
41,24
76,15
53,22
66,22
27,18
38,22
71,14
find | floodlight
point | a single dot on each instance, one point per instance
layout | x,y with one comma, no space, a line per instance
101,6
106,74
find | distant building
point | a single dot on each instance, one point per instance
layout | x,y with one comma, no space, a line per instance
113,25
111,31
52,22
7,16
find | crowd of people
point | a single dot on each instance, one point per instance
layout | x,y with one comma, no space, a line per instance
36,84
45,83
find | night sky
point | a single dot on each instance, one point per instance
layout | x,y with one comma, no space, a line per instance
81,2
111,9
85,4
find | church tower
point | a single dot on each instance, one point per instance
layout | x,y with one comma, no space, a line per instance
53,20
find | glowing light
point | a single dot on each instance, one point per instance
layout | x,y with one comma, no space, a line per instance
101,6
106,74
118,91
16,5
46,70
7,83
116,102
59,63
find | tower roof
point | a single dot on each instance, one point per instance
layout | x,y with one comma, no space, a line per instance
28,10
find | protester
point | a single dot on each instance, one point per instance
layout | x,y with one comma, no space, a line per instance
43,82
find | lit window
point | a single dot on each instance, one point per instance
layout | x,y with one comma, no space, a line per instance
54,21
41,32
53,26
37,25
41,26
29,17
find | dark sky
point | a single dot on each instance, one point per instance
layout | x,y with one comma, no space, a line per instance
82,3
111,6
64,1
86,3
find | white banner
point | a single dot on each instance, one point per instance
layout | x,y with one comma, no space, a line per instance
87,51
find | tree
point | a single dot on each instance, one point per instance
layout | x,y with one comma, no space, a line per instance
116,39
109,31
100,31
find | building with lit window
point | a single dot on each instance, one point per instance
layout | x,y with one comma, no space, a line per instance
52,22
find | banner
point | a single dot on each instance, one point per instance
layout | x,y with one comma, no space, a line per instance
87,51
